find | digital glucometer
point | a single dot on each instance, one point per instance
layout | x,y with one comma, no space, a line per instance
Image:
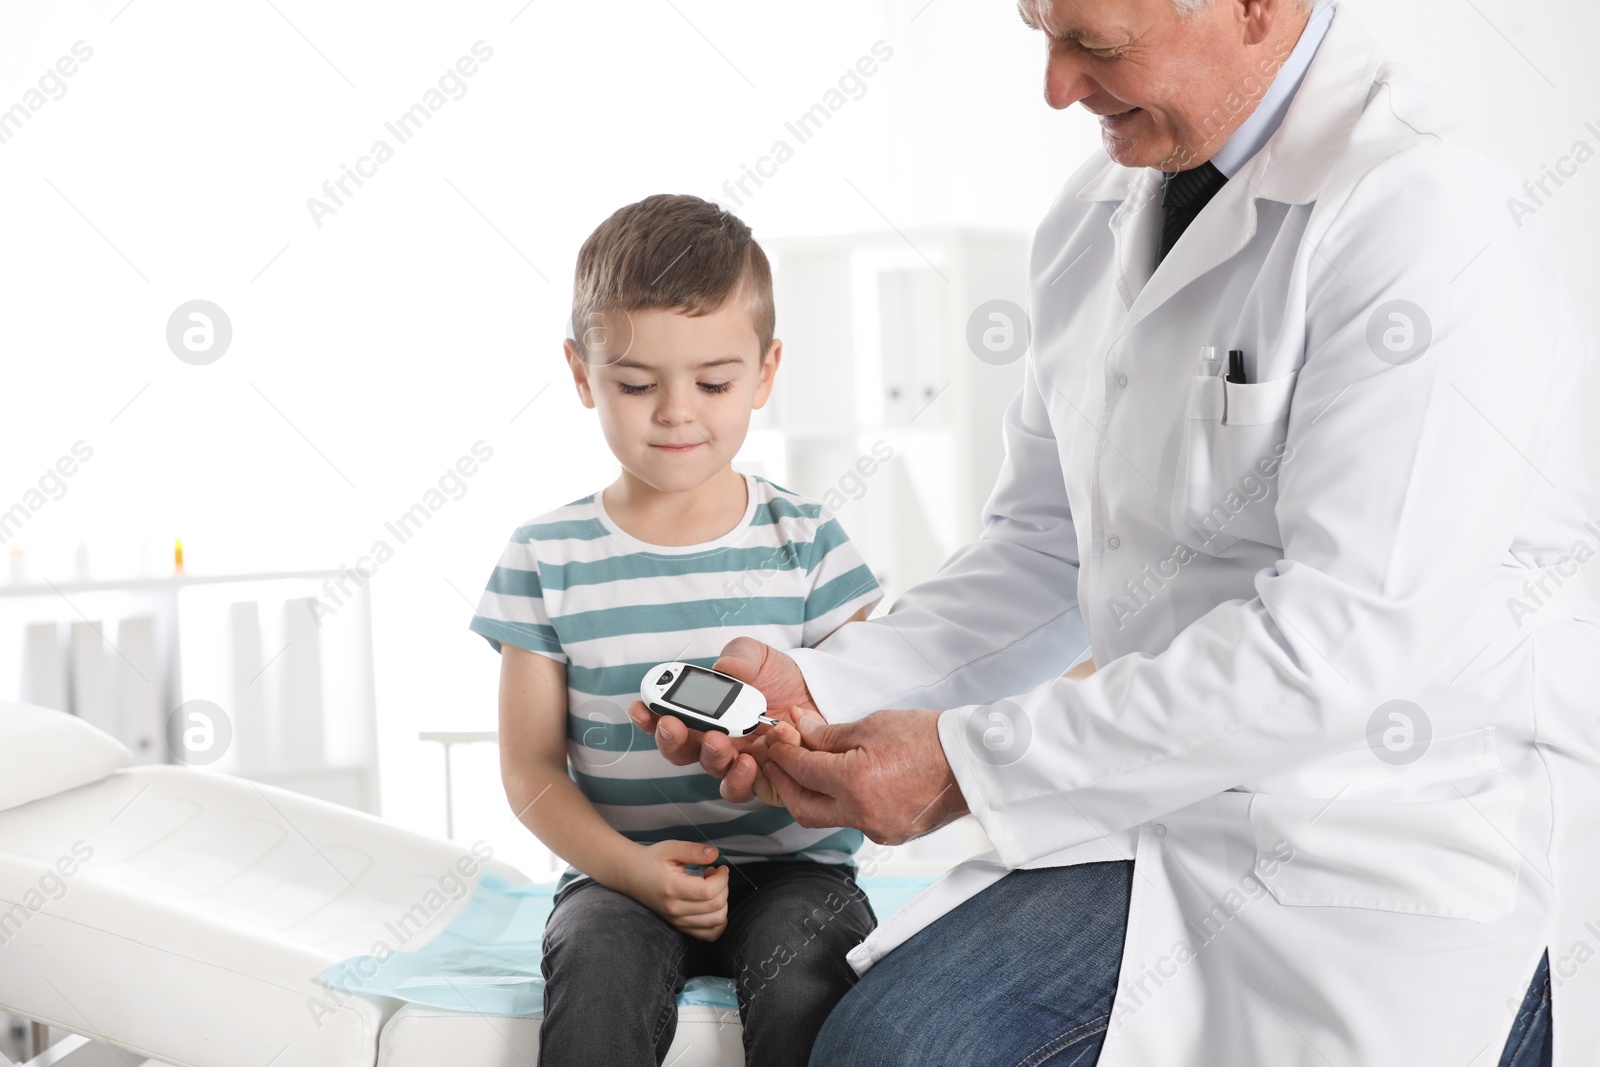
704,699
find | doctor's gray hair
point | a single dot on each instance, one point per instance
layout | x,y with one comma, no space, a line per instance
1186,8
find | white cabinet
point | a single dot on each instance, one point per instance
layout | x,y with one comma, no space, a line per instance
877,360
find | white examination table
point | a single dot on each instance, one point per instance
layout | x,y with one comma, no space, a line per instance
194,932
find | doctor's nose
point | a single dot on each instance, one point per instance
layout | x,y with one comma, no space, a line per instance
1065,80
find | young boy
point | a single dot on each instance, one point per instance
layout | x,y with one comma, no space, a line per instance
673,348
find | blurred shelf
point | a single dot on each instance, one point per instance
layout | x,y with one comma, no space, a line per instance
173,581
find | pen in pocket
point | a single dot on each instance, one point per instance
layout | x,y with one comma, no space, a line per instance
1236,366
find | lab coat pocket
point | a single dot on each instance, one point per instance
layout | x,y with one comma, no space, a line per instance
1437,840
1230,449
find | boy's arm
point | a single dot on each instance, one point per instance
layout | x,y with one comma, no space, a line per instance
533,769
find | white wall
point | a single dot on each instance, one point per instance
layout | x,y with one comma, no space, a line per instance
425,315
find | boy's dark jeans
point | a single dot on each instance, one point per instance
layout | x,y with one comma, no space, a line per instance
613,968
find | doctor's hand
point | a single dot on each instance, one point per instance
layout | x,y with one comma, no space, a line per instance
886,775
737,761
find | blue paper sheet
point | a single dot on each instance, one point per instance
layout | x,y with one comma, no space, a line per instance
486,961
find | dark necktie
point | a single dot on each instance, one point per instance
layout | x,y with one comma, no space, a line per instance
1183,197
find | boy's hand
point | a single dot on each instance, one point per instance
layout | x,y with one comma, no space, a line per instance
786,732
695,904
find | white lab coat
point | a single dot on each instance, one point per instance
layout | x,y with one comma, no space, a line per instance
1297,899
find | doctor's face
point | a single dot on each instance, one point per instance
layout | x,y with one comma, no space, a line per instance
1168,90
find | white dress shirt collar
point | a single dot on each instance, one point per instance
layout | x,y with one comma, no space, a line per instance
1264,120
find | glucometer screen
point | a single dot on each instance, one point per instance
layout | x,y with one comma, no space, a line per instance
703,692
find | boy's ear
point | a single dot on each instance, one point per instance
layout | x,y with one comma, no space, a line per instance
580,372
769,368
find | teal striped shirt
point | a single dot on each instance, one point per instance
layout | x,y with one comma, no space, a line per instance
574,586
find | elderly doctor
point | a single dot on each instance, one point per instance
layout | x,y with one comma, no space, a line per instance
1311,807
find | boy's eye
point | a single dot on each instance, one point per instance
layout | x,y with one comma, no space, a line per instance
639,390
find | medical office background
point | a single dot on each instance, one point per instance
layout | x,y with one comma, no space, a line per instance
379,397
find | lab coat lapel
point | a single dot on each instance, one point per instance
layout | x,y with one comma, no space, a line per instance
1135,228
1215,236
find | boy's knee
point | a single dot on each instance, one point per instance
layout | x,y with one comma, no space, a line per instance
798,974
604,936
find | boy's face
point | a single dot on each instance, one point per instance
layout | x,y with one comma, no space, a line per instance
675,392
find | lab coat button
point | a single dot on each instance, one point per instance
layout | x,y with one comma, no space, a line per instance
1160,830
1114,541
1122,381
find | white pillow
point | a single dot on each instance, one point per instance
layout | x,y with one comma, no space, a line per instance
44,752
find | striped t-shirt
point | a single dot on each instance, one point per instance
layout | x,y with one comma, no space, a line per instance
574,586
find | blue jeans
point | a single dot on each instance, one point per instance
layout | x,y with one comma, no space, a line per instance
986,983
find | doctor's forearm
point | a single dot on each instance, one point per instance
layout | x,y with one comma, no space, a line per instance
998,618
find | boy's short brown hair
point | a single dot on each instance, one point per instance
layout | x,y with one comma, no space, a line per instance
675,252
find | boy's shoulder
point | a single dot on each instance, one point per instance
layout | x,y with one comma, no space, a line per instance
775,502
575,520
790,518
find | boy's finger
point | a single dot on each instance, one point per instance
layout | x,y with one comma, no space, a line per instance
825,736
689,907
687,852
706,933
702,909
784,732
712,884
